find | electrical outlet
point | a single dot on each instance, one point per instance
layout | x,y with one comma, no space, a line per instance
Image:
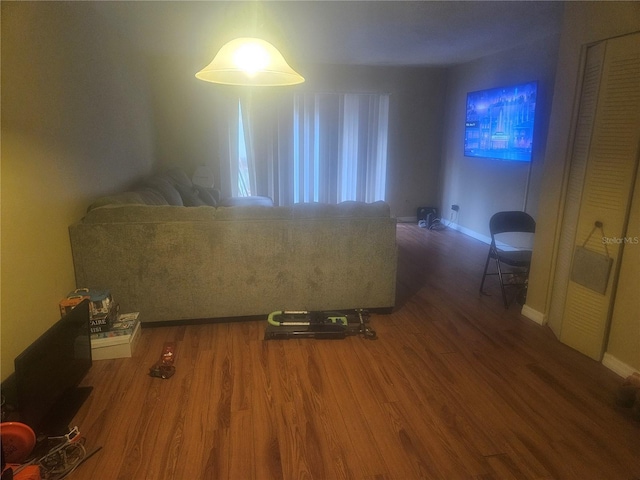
455,207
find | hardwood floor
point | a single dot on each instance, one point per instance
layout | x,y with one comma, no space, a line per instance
455,387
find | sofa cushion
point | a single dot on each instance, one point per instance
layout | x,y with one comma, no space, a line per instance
150,196
177,177
190,195
206,196
164,188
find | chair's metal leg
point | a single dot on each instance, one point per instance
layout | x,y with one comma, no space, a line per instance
504,293
484,275
521,294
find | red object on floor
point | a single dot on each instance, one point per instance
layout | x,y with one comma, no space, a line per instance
18,440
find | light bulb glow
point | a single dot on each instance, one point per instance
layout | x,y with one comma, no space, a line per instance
251,58
250,62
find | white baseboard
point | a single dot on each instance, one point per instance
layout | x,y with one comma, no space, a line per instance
617,366
453,226
538,317
470,233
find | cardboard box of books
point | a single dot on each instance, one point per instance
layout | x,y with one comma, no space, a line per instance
119,340
102,322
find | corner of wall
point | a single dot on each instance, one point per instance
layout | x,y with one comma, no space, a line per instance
534,315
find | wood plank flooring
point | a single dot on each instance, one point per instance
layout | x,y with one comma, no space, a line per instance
455,387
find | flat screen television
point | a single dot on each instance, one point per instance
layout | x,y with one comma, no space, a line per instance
500,121
49,371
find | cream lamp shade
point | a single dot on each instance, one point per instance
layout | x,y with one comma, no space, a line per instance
249,61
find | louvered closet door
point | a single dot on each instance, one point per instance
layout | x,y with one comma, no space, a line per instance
611,155
578,167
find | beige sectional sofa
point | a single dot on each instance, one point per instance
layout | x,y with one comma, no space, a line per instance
173,262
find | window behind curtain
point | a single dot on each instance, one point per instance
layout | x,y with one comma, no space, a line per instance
311,148
340,147
244,183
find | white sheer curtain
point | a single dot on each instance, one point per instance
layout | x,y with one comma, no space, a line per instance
324,147
340,147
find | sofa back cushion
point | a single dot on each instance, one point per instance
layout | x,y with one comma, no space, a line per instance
178,177
150,196
206,195
164,187
190,195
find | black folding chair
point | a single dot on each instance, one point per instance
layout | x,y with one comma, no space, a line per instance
512,261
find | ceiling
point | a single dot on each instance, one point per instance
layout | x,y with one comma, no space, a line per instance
393,33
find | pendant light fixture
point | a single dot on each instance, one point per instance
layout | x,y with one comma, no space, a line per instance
249,61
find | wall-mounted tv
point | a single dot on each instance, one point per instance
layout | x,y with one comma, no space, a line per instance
499,122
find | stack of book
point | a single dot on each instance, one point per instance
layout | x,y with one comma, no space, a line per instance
119,340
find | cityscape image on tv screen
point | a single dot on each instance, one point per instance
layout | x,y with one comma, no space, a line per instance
499,122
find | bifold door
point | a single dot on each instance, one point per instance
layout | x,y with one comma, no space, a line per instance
604,165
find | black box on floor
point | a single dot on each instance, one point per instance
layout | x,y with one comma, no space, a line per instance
428,215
